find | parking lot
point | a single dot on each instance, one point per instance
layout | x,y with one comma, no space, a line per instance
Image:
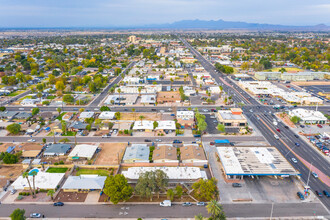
315,89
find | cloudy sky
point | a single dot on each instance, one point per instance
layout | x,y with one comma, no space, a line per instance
119,13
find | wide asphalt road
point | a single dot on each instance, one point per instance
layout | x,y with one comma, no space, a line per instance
176,211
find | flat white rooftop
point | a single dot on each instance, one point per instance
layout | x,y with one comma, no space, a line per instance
83,150
173,173
266,161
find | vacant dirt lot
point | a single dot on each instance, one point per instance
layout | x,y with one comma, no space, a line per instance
109,153
135,116
9,173
70,197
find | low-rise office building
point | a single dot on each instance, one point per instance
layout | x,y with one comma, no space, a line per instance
308,116
232,118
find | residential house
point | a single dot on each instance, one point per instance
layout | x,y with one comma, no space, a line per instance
165,153
137,153
185,118
83,151
193,153
77,126
57,150
107,115
84,183
84,115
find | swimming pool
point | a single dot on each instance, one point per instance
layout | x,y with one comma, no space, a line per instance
36,170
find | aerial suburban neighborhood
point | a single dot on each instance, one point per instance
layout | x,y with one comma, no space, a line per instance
164,124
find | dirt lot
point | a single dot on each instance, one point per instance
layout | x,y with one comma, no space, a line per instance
285,118
101,132
135,116
9,173
70,197
109,153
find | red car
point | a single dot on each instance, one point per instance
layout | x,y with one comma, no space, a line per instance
320,126
278,130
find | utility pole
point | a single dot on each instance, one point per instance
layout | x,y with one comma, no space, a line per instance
271,211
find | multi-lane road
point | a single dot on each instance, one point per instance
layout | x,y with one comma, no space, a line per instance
262,117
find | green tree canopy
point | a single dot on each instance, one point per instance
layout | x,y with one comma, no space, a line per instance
117,188
17,214
14,128
104,108
205,190
35,111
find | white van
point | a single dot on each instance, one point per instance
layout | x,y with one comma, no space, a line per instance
276,136
165,203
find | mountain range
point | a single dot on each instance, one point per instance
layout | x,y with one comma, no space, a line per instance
225,25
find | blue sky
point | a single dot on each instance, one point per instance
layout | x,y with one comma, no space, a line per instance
116,13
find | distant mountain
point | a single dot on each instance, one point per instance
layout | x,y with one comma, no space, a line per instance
224,25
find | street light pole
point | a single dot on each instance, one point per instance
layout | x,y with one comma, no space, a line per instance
271,211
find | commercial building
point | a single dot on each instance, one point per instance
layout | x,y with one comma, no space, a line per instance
137,153
308,116
165,153
148,99
122,99
175,174
84,115
300,76
238,162
84,183
232,118
185,118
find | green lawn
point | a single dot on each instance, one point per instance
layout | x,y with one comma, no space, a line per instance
57,170
16,93
89,171
60,116
69,133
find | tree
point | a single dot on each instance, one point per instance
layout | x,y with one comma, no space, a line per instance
133,110
14,128
205,190
141,117
221,128
155,124
51,193
64,140
26,175
151,182
295,119
44,140
178,191
2,108
81,110
216,211
60,85
59,110
35,111
117,188
17,214
199,217
104,108
117,115
170,194
64,129
34,173
68,99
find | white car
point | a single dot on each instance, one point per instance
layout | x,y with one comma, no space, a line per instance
276,136
35,215
31,140
294,160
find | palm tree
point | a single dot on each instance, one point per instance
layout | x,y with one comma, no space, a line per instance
215,209
172,82
141,117
26,175
51,193
140,89
133,110
119,91
34,173
199,217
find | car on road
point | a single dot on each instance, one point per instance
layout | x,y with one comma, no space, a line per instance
276,136
320,126
200,203
302,126
35,215
187,204
236,185
318,193
96,109
326,193
158,140
297,136
105,136
300,195
286,127
147,140
177,142
205,110
294,160
315,175
58,204
277,129
31,140
297,144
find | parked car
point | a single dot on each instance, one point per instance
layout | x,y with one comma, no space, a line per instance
300,195
200,203
31,140
177,142
320,126
105,136
165,203
315,175
236,185
318,193
187,204
35,215
297,136
13,191
58,204
147,140
302,126
326,193
294,160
